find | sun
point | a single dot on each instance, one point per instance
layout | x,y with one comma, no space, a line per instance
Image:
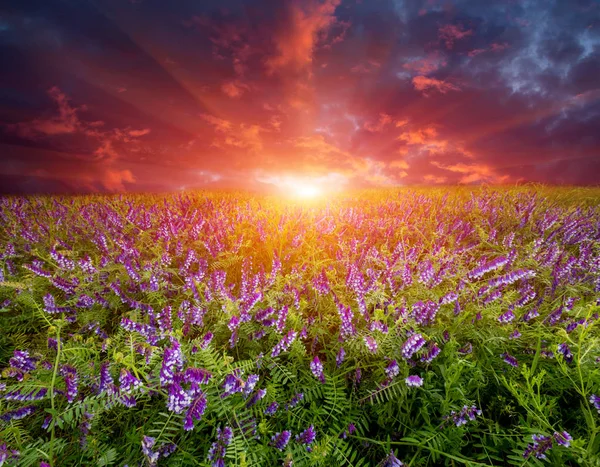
305,190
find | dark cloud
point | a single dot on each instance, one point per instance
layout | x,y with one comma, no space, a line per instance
157,95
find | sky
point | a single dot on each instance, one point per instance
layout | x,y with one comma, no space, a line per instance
150,95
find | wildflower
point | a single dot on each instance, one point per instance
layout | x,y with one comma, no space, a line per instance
280,440
432,351
128,382
490,266
347,329
7,454
515,334
147,445
595,401
284,344
17,395
316,367
197,376
71,381
258,395
250,384
512,361
414,381
370,343
22,361
217,450
195,411
566,352
563,438
348,431
233,383
541,444
281,318
18,414
506,317
392,369
533,313
206,340
339,359
307,436
172,360
391,461
461,418
296,399
412,345
178,399
271,408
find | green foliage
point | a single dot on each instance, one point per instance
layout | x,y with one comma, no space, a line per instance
359,415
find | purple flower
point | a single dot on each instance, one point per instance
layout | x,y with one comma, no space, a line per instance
128,382
71,381
461,418
347,328
392,461
233,383
540,445
506,317
271,408
432,351
18,414
595,401
493,265
147,445
258,395
197,376
195,411
566,352
17,395
307,436
339,359
370,343
178,399
106,380
22,361
563,438
217,450
281,318
296,399
8,454
284,344
412,345
206,340
172,361
414,381
512,361
316,367
280,440
392,370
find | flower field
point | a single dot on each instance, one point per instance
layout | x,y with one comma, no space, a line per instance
387,327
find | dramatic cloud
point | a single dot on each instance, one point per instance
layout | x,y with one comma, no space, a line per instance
220,93
423,83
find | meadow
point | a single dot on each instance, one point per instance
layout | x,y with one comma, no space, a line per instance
454,326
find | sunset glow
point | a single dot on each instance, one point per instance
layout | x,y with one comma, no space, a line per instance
305,190
139,95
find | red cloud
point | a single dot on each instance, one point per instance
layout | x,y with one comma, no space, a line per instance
426,65
473,173
65,122
296,42
451,33
424,84
384,120
234,88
